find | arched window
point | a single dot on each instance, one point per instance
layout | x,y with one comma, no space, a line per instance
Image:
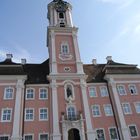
61,15
71,113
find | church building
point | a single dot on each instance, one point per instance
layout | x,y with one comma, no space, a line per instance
64,99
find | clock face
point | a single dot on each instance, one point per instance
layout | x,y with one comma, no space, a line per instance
60,6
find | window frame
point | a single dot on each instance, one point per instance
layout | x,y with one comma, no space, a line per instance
101,92
105,105
28,120
43,134
5,98
124,89
29,135
30,93
40,93
103,132
62,49
126,113
110,133
2,113
136,130
75,112
63,15
134,89
43,114
5,136
136,107
98,110
89,91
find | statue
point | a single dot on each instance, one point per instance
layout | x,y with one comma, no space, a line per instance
69,92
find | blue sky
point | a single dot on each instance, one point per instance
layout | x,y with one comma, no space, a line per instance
106,27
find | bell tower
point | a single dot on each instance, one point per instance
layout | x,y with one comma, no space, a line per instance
59,14
67,79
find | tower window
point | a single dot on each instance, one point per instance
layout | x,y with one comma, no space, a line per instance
64,49
61,15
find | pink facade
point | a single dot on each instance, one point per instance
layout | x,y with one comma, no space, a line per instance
64,99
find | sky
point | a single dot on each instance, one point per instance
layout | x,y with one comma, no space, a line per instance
106,28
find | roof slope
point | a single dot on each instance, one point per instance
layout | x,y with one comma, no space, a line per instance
97,72
36,73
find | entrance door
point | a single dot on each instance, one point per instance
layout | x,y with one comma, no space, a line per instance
73,134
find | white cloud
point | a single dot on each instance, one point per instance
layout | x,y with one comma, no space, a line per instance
17,51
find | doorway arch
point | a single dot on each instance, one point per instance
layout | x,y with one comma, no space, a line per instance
73,134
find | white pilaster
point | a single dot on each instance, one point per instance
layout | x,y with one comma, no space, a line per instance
124,129
70,16
56,132
53,53
77,54
90,132
18,111
55,18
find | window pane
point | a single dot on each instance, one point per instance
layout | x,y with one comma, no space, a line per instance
9,93
43,114
6,115
121,90
126,108
108,110
133,131
92,92
113,133
95,110
132,89
137,107
100,134
29,114
43,94
30,94
29,137
44,137
4,138
103,91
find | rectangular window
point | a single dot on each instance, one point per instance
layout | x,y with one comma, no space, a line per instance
43,114
103,91
43,94
108,110
133,131
96,110
113,134
132,89
137,107
28,137
121,89
30,94
4,138
43,137
126,108
6,115
29,114
8,93
100,134
92,92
